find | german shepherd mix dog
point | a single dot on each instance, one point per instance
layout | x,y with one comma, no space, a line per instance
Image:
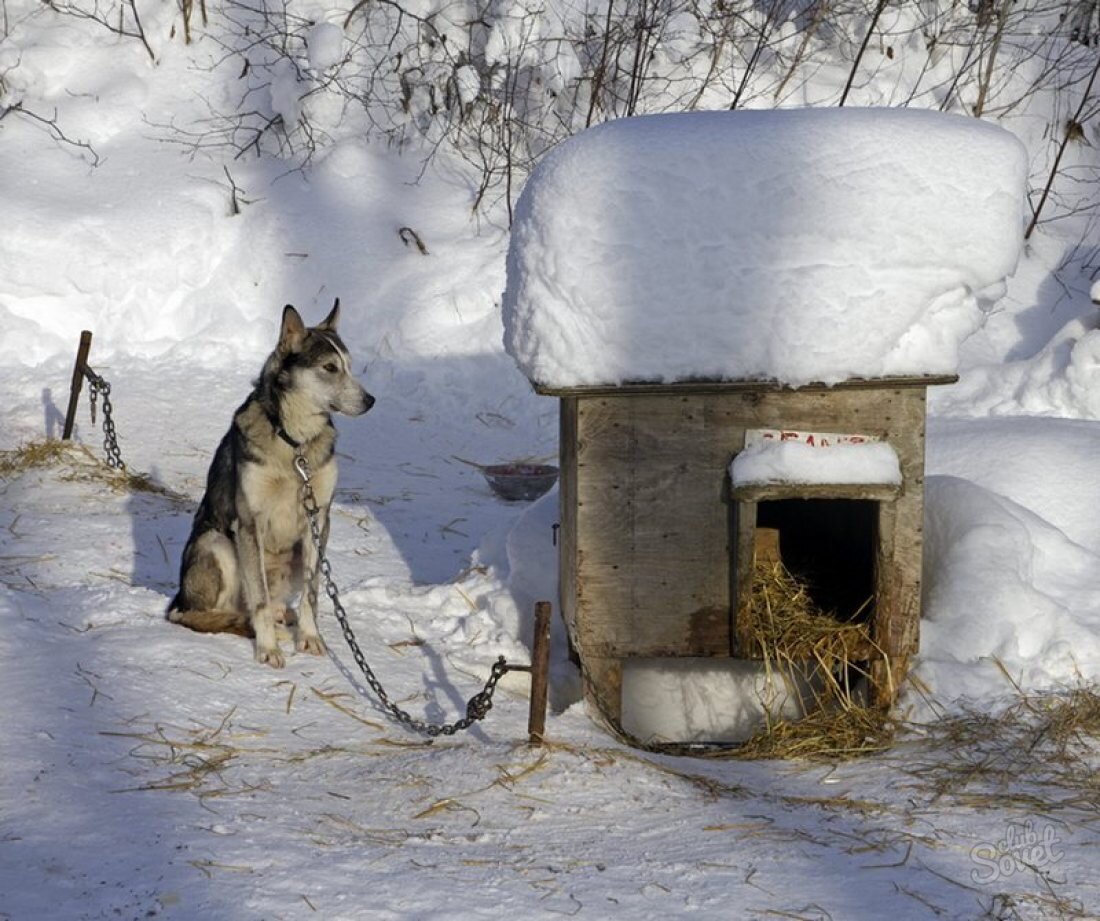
250,551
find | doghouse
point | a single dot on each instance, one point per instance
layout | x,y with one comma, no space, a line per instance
657,541
741,314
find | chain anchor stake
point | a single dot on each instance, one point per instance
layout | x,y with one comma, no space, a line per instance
97,387
478,706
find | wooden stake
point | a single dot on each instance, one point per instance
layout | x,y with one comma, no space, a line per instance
540,673
78,382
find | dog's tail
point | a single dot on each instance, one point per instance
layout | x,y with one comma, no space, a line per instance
236,622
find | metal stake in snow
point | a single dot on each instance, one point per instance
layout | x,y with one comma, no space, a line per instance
478,706
97,387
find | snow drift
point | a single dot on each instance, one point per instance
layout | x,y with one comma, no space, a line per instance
796,245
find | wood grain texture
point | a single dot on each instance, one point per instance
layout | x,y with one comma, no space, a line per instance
656,551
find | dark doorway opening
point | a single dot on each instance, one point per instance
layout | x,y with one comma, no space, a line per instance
828,544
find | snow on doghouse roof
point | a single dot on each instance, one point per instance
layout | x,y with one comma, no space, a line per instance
807,245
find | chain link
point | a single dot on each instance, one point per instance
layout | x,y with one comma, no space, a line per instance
478,706
98,386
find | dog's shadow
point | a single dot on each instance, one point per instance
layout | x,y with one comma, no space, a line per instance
160,522
54,418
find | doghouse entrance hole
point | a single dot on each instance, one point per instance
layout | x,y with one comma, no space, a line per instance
828,544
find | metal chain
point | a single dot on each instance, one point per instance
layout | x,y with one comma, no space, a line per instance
477,707
96,386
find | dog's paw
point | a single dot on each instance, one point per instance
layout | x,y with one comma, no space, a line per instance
272,657
311,643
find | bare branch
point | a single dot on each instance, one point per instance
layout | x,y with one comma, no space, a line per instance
54,129
1073,129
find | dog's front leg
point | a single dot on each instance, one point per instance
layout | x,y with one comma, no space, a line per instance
250,555
308,638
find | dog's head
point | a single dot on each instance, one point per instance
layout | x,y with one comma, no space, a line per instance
315,365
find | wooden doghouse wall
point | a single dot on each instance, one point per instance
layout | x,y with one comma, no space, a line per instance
648,555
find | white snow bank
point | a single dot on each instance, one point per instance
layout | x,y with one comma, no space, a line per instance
795,462
171,253
707,700
326,46
798,245
1003,585
1045,465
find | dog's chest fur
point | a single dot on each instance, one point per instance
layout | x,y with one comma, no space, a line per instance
272,487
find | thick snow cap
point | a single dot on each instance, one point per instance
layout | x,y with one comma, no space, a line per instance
799,246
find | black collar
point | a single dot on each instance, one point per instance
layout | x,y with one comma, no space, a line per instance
281,432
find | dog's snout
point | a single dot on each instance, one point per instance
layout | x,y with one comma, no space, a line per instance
353,401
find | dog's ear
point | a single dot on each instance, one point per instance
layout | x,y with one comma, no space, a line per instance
329,323
292,332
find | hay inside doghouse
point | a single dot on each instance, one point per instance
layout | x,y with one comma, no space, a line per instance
783,621
784,627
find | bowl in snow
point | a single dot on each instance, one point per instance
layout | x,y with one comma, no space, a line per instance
520,482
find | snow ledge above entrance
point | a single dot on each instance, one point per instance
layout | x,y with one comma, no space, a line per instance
792,462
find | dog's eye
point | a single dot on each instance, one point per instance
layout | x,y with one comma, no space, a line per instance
332,367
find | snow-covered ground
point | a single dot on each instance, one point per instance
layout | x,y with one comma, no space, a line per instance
146,771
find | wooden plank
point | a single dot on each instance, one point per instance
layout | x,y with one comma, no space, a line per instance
568,549
762,492
887,676
744,549
84,347
602,680
901,525
653,527
896,627
540,673
765,546
884,413
730,386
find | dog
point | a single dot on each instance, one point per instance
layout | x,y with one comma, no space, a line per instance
250,552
